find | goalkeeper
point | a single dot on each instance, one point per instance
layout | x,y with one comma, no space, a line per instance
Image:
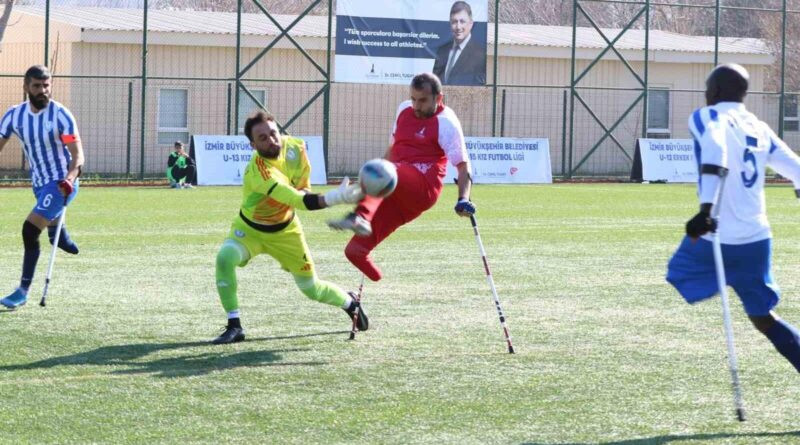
276,182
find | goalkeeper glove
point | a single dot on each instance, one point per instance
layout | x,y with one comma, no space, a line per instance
346,193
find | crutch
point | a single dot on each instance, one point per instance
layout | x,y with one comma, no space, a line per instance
354,329
726,311
490,280
43,301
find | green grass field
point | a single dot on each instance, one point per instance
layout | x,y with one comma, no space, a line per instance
607,351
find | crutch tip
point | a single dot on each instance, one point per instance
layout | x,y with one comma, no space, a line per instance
740,415
42,303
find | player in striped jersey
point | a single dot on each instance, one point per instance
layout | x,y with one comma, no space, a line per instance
53,149
733,149
276,182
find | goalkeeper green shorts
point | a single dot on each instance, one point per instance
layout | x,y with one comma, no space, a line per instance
288,246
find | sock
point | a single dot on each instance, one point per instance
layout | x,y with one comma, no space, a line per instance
65,243
786,339
30,239
229,257
321,291
348,303
359,256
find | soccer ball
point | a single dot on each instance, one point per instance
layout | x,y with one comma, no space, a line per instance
378,177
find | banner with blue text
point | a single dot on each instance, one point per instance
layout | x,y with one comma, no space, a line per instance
390,41
221,160
507,161
668,160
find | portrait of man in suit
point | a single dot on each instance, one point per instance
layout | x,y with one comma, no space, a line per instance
462,60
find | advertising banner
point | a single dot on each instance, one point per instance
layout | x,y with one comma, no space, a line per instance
507,161
221,160
390,41
667,160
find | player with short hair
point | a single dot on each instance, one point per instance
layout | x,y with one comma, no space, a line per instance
181,169
54,152
426,135
276,182
733,148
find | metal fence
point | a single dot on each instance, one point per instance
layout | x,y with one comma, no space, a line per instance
134,97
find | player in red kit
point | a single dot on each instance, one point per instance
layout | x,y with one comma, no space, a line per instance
426,135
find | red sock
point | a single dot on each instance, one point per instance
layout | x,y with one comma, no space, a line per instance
358,254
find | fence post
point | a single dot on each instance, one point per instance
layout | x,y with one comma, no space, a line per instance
130,128
143,114
228,112
46,32
495,58
572,86
716,32
503,114
645,103
238,65
326,100
782,100
564,135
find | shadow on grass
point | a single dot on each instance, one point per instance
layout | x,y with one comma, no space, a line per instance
211,358
657,440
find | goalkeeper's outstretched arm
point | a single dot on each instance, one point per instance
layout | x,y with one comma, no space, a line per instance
346,193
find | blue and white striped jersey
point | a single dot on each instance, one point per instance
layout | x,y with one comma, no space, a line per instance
44,137
728,135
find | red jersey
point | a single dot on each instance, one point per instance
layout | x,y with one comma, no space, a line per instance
428,144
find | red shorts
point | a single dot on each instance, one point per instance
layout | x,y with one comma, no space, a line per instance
415,193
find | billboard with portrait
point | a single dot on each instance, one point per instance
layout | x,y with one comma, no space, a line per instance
390,41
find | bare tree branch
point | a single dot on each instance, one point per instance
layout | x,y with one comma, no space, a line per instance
4,18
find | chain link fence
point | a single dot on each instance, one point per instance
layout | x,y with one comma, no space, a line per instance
130,113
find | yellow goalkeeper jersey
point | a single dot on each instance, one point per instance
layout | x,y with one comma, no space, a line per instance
274,187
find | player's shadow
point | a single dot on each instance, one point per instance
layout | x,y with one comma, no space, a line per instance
658,440
206,358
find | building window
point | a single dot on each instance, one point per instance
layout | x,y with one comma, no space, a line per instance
173,105
247,106
791,117
658,111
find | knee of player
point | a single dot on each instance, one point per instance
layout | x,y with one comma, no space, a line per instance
355,250
228,257
30,235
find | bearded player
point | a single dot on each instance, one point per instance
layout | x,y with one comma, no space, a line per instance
53,148
426,135
276,182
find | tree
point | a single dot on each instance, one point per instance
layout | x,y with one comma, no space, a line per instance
4,18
